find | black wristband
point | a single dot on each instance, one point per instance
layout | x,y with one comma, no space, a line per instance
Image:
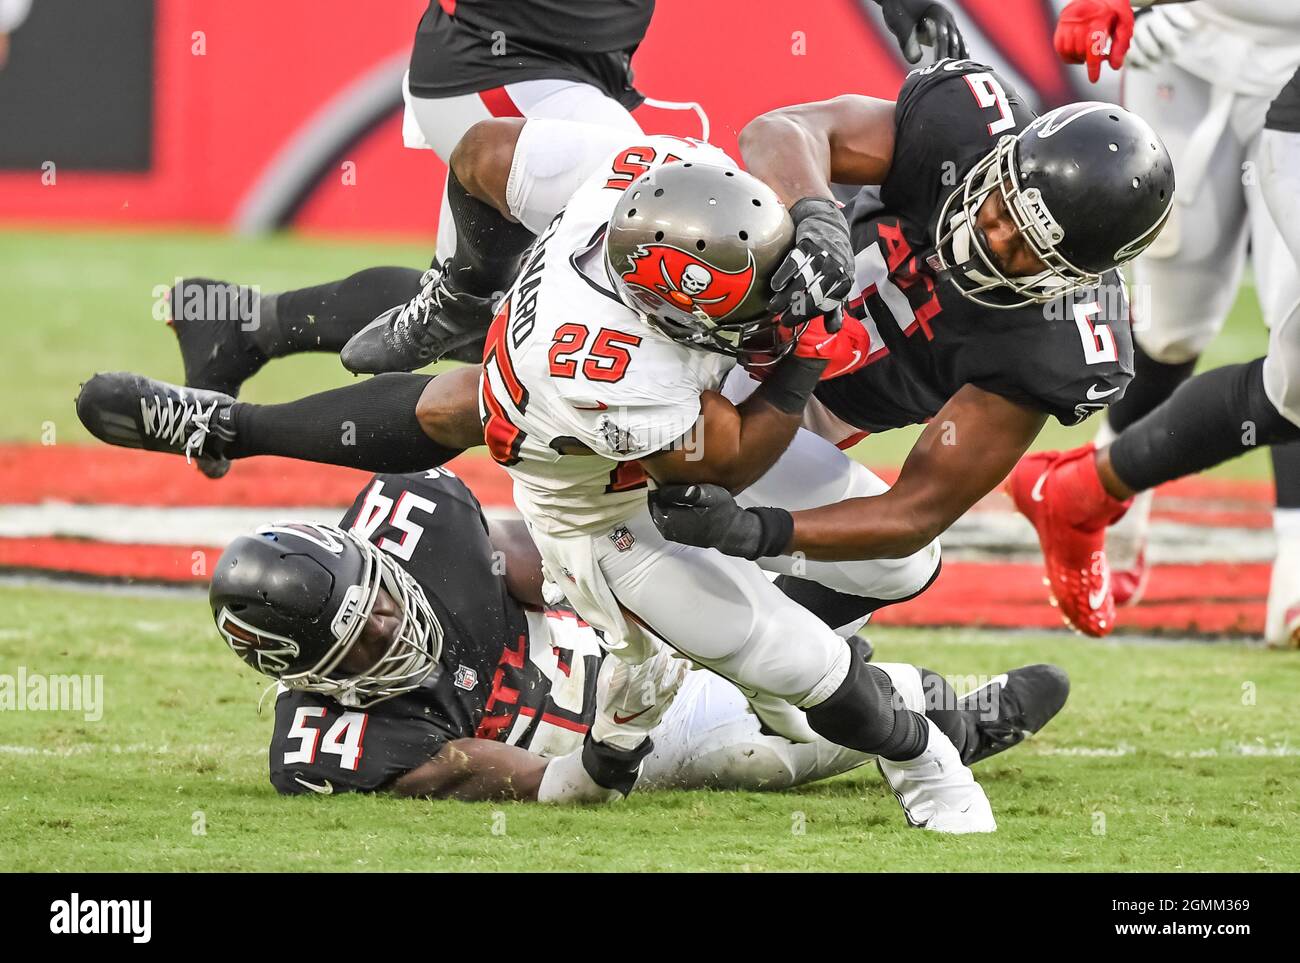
777,527
612,768
791,383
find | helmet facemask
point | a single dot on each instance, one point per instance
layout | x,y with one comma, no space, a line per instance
409,658
969,264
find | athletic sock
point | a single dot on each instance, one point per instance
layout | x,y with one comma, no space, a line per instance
1077,489
1286,475
1153,382
324,317
370,425
1212,418
488,247
866,714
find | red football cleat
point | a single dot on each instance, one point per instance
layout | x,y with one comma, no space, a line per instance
1061,495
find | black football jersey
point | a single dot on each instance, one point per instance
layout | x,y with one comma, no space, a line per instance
1067,358
496,677
466,46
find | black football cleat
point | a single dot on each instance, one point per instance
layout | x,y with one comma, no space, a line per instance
439,321
133,411
1011,707
213,321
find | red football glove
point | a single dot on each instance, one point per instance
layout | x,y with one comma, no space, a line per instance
845,350
1084,28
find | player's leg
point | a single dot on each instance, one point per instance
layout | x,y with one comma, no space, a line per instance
1279,181
745,630
226,331
549,158
1185,283
440,123
390,423
710,738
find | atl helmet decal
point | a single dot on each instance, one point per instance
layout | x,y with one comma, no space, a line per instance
687,283
273,653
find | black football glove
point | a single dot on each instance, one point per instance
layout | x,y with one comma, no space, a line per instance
922,22
816,275
707,516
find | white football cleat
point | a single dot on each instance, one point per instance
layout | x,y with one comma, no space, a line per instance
1282,624
1126,549
937,791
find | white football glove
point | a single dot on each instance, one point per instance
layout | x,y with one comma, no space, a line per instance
1159,34
632,699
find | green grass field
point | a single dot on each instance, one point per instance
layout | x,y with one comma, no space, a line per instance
1168,757
1155,764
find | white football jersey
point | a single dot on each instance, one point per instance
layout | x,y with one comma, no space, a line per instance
575,385
1251,47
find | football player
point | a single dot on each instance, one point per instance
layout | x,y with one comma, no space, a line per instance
416,656
983,269
1204,73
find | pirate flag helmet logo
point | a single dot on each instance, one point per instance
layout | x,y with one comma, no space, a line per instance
692,248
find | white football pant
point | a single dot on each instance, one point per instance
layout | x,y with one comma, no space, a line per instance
440,123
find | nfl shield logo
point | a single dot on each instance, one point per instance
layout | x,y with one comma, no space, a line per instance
466,678
622,538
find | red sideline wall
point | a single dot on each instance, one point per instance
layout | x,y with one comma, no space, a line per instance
220,117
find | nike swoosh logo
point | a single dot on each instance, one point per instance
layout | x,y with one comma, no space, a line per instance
601,406
857,355
1095,395
1037,492
324,790
1096,598
623,720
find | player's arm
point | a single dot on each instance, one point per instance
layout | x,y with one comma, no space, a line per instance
522,561
729,446
734,445
475,770
798,151
965,451
478,770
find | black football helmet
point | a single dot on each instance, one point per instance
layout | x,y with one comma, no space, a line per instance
1089,186
293,598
